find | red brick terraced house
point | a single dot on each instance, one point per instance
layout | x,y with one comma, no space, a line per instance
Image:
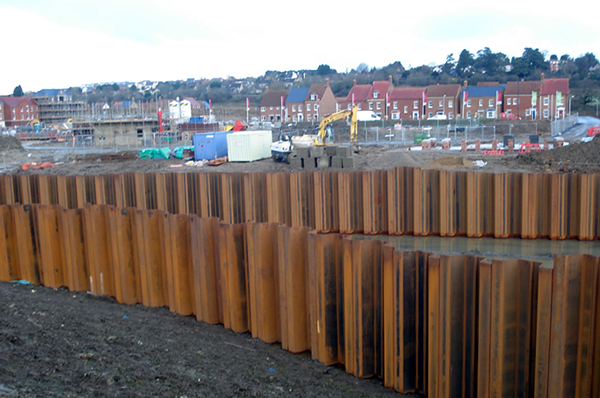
358,95
521,99
378,97
320,101
18,111
483,102
554,98
295,108
406,103
272,106
442,99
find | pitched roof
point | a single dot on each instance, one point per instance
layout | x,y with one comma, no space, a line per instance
193,102
408,93
484,91
273,98
360,91
318,88
552,86
16,101
50,92
297,95
439,90
523,87
381,87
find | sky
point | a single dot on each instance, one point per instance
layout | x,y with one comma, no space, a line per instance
70,43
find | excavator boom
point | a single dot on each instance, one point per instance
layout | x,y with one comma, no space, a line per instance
327,120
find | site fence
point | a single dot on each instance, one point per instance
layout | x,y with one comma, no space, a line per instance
398,201
445,326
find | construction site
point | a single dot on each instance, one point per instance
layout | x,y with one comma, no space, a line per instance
438,262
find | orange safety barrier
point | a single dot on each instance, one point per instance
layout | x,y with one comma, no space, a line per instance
527,148
493,152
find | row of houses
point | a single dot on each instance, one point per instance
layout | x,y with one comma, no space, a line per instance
529,100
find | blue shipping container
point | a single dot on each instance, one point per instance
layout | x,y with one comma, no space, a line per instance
210,145
197,119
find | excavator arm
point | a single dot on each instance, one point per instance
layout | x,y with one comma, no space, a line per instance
327,120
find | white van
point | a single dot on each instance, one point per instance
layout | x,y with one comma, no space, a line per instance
367,116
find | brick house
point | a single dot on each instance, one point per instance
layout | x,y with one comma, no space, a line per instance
521,99
483,102
320,101
406,103
378,97
19,111
295,109
2,125
554,98
442,99
272,105
358,95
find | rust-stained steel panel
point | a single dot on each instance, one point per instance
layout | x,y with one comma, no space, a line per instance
232,198
121,245
9,253
374,209
278,198
52,265
98,255
293,288
150,254
302,203
71,235
327,217
324,266
139,182
255,194
542,337
27,249
178,263
400,202
574,359
204,236
263,281
350,202
233,271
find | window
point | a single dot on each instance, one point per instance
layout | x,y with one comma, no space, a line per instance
490,114
491,103
375,94
293,108
429,114
308,116
396,115
469,103
299,108
313,97
359,107
469,115
545,100
140,133
277,108
405,109
370,105
430,105
508,101
442,103
293,118
450,103
527,112
379,105
396,105
546,113
316,106
451,115
307,107
480,102
415,104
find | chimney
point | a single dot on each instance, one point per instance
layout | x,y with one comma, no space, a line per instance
542,75
327,81
266,89
390,79
353,82
465,83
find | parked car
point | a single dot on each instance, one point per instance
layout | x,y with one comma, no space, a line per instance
367,116
437,117
508,115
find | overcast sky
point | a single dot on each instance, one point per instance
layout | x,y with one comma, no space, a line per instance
66,43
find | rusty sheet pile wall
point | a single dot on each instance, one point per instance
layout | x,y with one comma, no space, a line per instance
445,326
398,201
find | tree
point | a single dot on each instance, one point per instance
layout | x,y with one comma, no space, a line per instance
324,70
450,64
362,68
464,66
18,91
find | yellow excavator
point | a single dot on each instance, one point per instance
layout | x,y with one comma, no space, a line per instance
285,145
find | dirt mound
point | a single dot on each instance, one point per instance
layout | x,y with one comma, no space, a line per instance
449,162
579,157
8,143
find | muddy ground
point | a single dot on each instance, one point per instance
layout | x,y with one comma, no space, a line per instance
72,344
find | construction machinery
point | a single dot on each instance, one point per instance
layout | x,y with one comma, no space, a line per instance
285,144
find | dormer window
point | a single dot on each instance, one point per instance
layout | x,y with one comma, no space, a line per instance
375,94
313,97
